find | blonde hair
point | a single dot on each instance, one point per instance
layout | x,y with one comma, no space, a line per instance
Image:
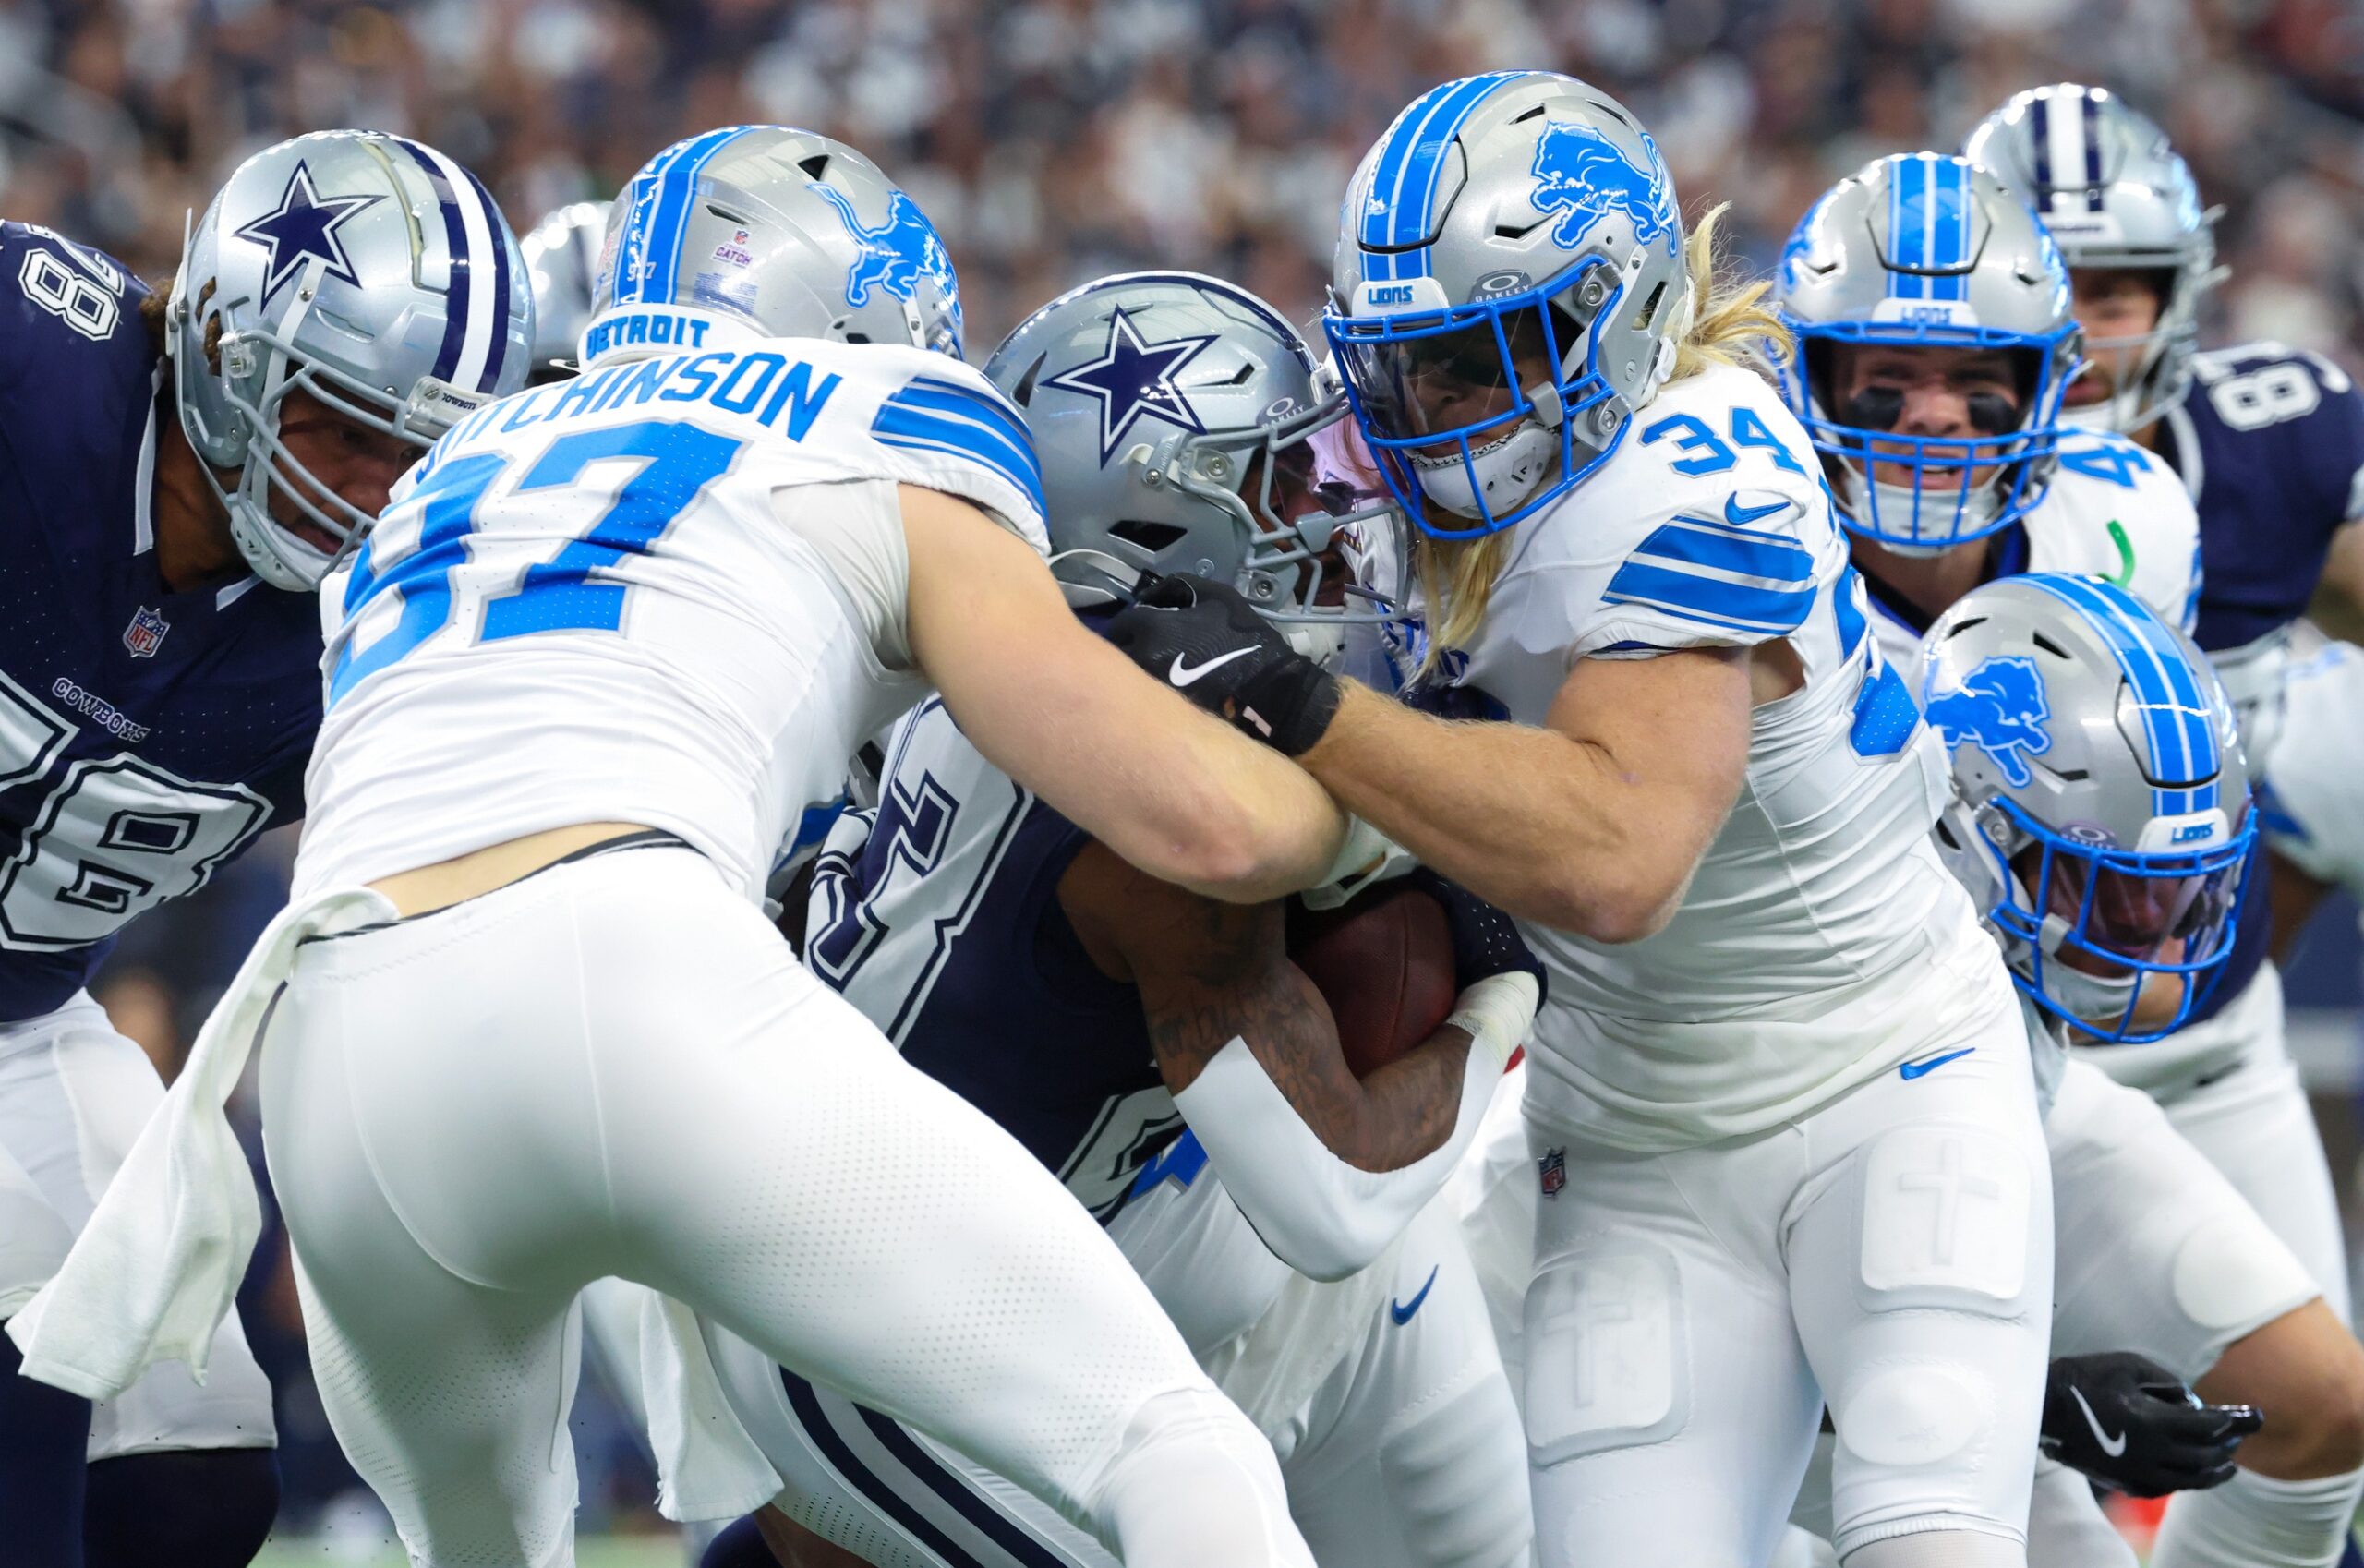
1728,324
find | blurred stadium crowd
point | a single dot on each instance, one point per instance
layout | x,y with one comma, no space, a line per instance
1054,141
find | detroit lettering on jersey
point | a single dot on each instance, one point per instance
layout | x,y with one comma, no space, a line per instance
2270,445
146,736
937,914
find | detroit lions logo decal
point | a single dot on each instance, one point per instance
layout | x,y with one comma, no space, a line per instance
2000,706
1583,178
895,255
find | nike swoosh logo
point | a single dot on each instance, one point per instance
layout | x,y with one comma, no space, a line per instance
1740,516
1402,1314
2113,1446
1911,1070
1184,674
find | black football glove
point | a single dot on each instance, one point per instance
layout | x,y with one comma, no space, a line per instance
1485,940
2130,1423
1203,639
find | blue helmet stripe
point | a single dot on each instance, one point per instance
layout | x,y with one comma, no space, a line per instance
2175,710
651,248
1908,231
455,239
678,192
1948,223
1403,182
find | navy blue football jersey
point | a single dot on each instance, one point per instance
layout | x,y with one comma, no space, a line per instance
936,913
2270,445
146,736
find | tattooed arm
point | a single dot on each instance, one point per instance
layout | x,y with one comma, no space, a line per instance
1327,1167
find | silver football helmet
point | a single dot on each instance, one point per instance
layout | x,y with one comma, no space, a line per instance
2101,817
563,259
2114,194
1176,418
368,270
1510,288
788,229
1924,250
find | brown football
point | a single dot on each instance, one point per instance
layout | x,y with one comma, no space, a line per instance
1383,961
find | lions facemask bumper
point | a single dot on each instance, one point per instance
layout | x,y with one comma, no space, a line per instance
2086,930
367,270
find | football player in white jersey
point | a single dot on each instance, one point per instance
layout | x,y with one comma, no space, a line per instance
1779,1093
609,638
1923,293
2270,444
2310,815
1093,1010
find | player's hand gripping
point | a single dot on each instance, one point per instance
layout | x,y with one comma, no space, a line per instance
2130,1423
1206,641
1485,941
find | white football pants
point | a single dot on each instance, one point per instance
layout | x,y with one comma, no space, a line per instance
1690,1312
73,1096
615,1066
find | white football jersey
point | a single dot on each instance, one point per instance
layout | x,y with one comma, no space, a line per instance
1821,940
2113,511
2314,811
668,592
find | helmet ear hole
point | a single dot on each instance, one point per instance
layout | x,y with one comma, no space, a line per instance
1155,537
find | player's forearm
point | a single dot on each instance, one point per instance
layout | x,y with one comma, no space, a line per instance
1540,825
1329,1169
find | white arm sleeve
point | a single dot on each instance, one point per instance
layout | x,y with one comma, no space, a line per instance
1319,1214
858,536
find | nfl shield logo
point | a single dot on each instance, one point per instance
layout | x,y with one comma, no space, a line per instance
1553,1169
146,633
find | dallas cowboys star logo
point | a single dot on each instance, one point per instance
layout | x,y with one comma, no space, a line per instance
305,225
1134,378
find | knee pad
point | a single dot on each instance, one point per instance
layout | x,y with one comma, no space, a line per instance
1947,1215
194,1508
1605,1362
1455,1471
2232,1273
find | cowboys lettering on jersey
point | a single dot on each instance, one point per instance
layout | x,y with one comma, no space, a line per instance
149,727
158,701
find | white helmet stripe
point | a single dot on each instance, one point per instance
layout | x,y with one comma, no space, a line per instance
483,329
2067,126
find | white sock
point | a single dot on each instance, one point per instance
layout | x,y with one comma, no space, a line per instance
2253,1521
2067,1527
1196,1484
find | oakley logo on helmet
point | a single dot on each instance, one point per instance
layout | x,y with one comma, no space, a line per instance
2000,706
1585,177
304,225
897,254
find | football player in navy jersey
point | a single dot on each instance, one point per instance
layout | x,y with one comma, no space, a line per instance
1157,1050
343,297
2270,444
